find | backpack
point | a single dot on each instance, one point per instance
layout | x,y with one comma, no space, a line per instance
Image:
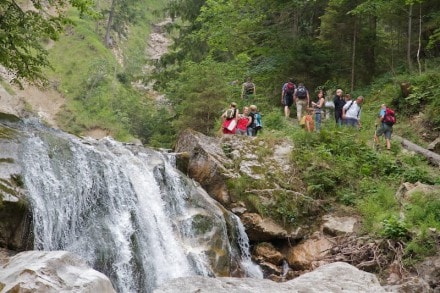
290,88
301,92
258,124
249,88
389,117
230,114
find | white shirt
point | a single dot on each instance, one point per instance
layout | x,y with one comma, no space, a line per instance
354,111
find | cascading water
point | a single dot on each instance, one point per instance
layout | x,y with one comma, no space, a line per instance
123,209
251,269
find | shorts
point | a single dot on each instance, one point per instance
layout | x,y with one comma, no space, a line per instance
385,129
288,100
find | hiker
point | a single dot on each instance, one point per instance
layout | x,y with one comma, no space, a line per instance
244,120
255,123
287,92
329,106
386,125
302,100
347,99
351,112
230,119
248,89
339,104
307,121
318,105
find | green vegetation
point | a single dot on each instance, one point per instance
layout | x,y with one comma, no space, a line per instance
363,47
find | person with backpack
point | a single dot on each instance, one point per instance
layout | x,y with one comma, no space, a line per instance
248,89
351,112
339,103
230,119
302,100
287,92
255,124
387,119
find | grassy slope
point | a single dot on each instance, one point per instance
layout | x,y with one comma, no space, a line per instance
341,166
86,73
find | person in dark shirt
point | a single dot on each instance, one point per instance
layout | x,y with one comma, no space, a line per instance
339,102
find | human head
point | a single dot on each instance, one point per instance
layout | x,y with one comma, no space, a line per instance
359,100
383,106
320,93
301,84
291,79
253,108
248,79
233,105
245,110
339,92
347,97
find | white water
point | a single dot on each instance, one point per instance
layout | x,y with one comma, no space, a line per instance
104,203
252,269
125,210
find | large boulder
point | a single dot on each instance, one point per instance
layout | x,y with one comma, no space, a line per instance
335,277
56,271
308,252
213,161
263,229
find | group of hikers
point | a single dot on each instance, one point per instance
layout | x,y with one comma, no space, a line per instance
246,123
309,112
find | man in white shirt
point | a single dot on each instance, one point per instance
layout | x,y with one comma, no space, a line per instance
351,112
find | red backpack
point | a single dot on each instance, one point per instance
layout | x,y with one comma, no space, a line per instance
389,118
290,88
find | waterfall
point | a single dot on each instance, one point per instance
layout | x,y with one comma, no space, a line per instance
124,209
251,269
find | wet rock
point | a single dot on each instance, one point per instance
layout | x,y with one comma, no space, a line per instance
268,253
56,271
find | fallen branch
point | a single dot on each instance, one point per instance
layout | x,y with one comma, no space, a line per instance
432,157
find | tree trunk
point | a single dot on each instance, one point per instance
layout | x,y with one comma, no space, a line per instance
408,48
353,56
108,39
420,39
432,157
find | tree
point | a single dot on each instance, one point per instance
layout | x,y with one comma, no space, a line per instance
23,30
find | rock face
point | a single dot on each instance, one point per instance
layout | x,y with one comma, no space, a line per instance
335,277
212,161
56,271
15,221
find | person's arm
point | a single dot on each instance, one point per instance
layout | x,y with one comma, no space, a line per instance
282,94
321,103
295,96
249,118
